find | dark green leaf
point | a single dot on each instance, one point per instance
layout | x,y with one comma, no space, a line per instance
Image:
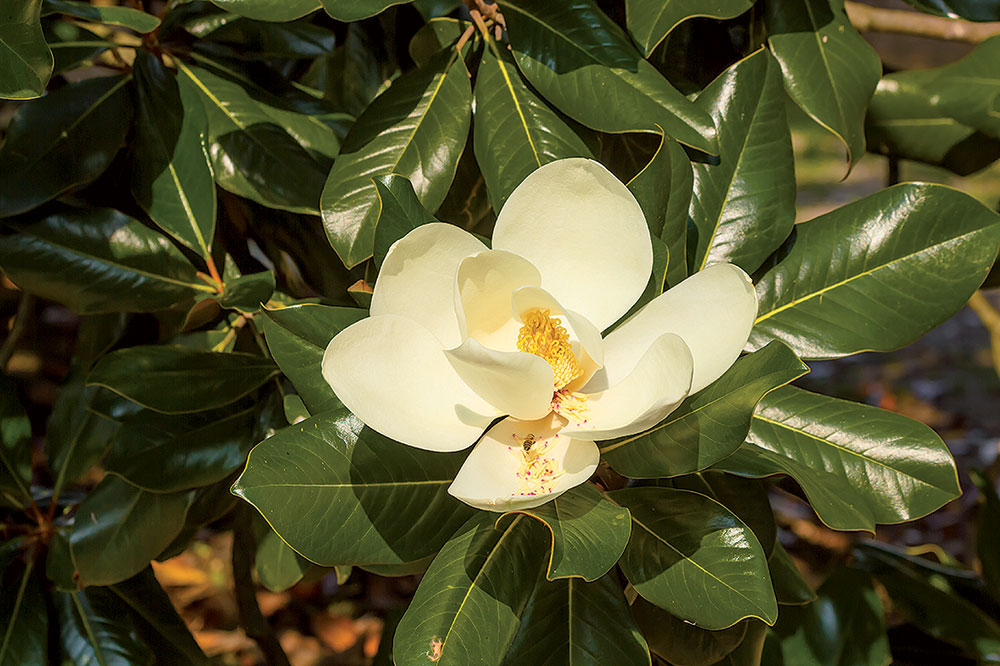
378,501
744,207
588,532
278,566
59,567
973,10
515,131
830,70
747,498
15,446
355,10
275,157
575,55
469,603
694,558
650,21
435,35
125,17
790,588
245,293
96,335
987,546
400,212
858,465
297,337
25,60
681,642
260,39
175,380
98,260
750,651
663,190
708,426
166,454
571,622
878,273
844,627
173,178
270,10
94,628
349,76
65,139
120,528
23,616
417,129
72,44
76,438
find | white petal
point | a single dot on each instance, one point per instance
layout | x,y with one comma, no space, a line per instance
654,388
713,310
483,288
583,335
515,383
585,233
392,373
417,278
488,479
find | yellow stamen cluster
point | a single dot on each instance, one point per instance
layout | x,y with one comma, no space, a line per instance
539,472
544,336
569,405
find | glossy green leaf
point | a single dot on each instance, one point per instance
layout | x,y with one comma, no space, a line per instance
76,438
246,293
173,177
574,56
259,151
260,39
270,10
165,454
98,260
878,273
23,616
72,45
858,465
59,567
588,532
663,190
694,558
987,547
747,498
355,10
15,446
650,21
681,642
173,380
790,587
378,501
156,621
417,129
972,10
515,131
470,602
25,60
297,337
349,76
750,650
843,627
95,629
903,122
433,36
744,206
709,425
400,212
830,70
125,17
570,622
120,528
278,566
65,139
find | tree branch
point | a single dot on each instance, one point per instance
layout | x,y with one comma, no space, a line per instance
872,19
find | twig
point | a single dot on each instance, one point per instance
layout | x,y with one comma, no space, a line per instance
251,619
990,318
17,330
903,22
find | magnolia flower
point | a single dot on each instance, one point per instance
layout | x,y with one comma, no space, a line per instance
464,339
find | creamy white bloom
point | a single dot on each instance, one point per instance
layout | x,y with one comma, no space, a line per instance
461,336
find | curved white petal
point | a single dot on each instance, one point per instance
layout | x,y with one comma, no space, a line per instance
654,388
483,287
586,234
489,478
713,310
417,278
392,373
515,383
583,335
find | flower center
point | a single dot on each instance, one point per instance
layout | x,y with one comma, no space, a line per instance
539,472
545,336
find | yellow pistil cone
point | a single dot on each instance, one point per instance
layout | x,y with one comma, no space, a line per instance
544,336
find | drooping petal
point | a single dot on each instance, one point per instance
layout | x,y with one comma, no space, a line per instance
393,374
654,388
585,232
713,311
483,288
417,279
493,477
583,335
515,383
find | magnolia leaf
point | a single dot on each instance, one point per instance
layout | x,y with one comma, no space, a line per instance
270,10
94,628
650,21
125,17
25,60
681,642
23,615
400,212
